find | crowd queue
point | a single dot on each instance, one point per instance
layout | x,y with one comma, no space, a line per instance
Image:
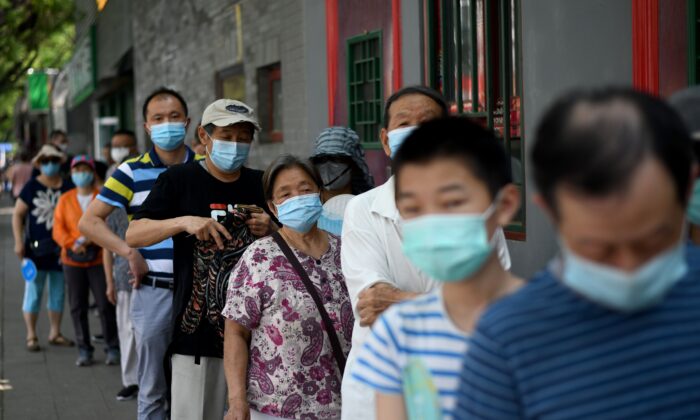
305,292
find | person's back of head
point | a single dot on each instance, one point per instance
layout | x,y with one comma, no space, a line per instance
594,141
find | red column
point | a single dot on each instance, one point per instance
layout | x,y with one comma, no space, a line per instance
645,45
332,56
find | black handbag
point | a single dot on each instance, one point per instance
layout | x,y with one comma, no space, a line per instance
44,247
89,255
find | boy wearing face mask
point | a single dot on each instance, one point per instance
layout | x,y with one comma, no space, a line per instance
165,120
340,162
377,272
213,209
611,329
453,191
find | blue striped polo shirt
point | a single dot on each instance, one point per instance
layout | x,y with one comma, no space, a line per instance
547,353
128,188
414,349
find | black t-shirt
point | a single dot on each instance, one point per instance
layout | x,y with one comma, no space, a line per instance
201,270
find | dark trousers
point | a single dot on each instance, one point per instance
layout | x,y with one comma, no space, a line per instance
79,282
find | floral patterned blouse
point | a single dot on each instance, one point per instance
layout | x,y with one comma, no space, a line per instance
291,369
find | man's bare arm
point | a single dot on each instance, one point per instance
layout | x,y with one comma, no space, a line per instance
376,299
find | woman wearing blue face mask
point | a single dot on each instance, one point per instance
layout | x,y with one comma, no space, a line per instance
454,193
288,306
32,224
82,264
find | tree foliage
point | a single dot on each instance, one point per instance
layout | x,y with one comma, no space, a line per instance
34,34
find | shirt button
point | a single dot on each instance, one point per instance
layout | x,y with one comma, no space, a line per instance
318,262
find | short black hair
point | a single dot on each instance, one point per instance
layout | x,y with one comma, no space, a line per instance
56,133
415,90
101,169
164,91
124,132
457,138
593,141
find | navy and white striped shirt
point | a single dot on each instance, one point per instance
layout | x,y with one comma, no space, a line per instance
414,349
128,188
548,353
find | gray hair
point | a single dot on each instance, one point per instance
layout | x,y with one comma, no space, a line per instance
287,162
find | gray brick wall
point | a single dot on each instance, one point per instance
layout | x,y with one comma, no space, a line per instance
183,47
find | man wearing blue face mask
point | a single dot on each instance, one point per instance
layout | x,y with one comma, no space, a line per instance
213,209
165,120
377,272
611,329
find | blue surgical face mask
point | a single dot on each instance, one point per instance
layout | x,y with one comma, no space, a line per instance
622,290
301,212
51,168
448,247
397,137
693,211
228,156
168,136
330,223
82,179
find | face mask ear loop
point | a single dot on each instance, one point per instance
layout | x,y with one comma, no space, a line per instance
489,212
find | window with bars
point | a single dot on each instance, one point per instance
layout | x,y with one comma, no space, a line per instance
473,58
270,102
364,62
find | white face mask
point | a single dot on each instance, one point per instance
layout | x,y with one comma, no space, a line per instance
63,147
119,153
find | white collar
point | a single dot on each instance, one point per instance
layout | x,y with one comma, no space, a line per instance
384,203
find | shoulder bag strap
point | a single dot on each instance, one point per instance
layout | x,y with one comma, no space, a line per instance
335,343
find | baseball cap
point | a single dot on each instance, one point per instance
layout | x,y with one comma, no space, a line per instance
224,112
82,159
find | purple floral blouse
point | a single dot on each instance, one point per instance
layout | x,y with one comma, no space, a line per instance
291,369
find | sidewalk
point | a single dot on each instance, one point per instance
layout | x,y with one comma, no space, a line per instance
47,384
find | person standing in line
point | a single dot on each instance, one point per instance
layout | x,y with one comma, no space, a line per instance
117,274
377,272
166,119
19,173
611,328
289,317
340,162
454,190
82,264
213,209
32,225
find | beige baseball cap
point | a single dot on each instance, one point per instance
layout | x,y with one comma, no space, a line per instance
224,112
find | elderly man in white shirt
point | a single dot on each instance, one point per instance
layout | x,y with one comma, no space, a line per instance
376,271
